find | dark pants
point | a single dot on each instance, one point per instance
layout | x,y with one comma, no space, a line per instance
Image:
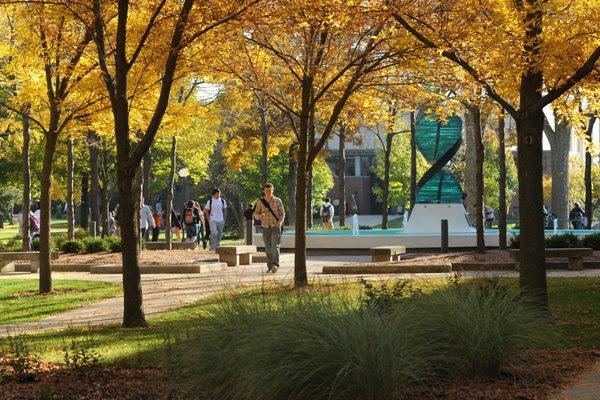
143,233
155,233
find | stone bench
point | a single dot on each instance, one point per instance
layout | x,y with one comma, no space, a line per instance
7,260
236,255
386,253
575,256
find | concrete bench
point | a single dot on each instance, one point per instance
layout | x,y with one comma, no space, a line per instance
387,253
7,260
575,256
236,255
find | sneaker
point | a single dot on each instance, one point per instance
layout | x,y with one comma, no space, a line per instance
268,270
274,268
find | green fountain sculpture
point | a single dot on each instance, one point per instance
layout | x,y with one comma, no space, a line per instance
439,195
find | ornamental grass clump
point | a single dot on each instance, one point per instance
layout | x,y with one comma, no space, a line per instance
305,347
480,327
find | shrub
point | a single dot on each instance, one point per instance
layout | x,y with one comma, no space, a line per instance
385,298
35,244
73,246
13,244
80,355
562,241
480,327
365,227
95,245
304,348
113,243
592,241
81,233
23,365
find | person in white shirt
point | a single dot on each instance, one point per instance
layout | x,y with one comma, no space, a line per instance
215,211
355,226
326,213
146,219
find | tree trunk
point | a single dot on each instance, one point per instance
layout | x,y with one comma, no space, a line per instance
473,116
95,180
501,183
309,199
70,178
26,199
389,139
45,209
300,274
342,175
292,173
105,192
413,160
589,211
560,143
169,205
470,162
85,198
147,170
264,133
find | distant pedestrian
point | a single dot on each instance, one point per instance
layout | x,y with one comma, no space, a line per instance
326,212
576,216
176,224
190,220
200,225
269,210
146,219
488,216
157,225
159,207
215,212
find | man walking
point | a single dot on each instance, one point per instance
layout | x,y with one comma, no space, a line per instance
216,214
146,220
269,210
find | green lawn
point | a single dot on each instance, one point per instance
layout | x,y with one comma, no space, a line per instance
396,223
20,302
10,231
575,303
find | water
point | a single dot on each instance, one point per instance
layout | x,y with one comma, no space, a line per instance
400,232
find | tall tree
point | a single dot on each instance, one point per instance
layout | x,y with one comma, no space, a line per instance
559,138
589,209
501,181
182,24
482,53
342,174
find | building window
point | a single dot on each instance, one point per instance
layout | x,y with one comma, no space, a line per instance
365,165
333,165
350,166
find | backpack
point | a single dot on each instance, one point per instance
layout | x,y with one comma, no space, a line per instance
188,216
326,212
34,224
210,205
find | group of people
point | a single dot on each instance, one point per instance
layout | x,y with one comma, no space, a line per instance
194,224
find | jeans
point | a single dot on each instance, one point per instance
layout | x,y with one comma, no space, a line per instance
216,232
272,239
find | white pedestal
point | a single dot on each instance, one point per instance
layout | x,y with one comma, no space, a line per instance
426,218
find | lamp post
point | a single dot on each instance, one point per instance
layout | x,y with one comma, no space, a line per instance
183,174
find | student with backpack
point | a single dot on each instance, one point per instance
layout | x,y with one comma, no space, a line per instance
326,213
215,212
269,210
576,216
190,220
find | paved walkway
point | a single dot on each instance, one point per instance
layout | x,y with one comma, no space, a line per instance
164,292
587,387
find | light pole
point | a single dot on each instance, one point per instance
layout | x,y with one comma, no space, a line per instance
183,173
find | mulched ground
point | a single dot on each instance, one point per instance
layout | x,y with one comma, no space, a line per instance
146,257
470,256
543,374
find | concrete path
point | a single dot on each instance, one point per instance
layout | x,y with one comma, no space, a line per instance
165,292
587,387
